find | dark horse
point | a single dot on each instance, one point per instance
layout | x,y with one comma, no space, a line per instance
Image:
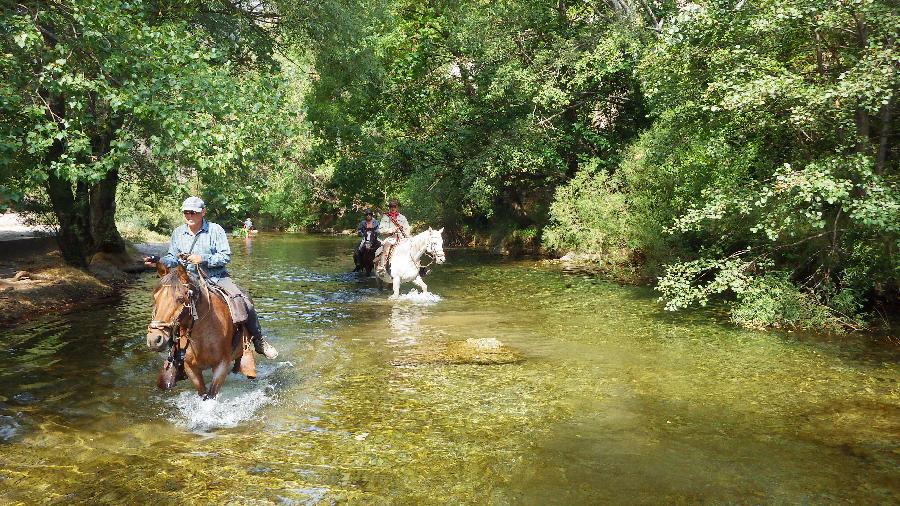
364,254
197,324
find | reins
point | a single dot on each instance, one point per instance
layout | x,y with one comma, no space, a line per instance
178,351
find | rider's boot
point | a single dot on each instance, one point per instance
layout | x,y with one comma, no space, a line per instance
259,342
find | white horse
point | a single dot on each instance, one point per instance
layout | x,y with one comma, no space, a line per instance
405,264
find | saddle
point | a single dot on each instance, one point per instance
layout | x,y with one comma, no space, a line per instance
237,306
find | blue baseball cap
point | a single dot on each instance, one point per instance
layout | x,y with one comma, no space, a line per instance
193,204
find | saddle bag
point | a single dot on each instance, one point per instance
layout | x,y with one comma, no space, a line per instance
246,363
238,306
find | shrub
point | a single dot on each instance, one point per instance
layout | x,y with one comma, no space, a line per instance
589,215
773,301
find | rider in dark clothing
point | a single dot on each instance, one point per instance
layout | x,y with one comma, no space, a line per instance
366,225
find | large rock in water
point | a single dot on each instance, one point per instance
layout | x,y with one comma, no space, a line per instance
483,351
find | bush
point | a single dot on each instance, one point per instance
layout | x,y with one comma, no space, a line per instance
142,216
773,301
589,215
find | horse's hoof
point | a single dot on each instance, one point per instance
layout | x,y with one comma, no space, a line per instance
207,397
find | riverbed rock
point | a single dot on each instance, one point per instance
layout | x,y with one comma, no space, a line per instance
22,275
472,351
484,343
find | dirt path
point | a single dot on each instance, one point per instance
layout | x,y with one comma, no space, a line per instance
13,227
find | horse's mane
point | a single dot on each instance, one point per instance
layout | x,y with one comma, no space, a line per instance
171,281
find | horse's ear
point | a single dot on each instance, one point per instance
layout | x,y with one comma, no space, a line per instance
441,231
182,274
161,269
429,229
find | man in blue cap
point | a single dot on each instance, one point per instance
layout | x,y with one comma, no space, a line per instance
205,244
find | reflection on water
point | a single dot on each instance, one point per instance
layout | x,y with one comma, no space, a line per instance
614,401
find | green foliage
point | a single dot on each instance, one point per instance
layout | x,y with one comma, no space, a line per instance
773,300
744,151
474,113
772,149
94,88
793,165
589,214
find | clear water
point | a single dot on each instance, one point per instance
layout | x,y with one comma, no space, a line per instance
614,401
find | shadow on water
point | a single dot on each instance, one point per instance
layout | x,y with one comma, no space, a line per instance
613,400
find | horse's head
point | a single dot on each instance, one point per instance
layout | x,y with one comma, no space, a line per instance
173,298
435,245
368,242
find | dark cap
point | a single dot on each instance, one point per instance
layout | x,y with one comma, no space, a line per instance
394,202
368,212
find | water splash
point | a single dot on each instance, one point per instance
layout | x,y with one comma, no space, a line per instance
228,409
416,297
231,407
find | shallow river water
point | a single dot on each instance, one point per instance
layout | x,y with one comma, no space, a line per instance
613,400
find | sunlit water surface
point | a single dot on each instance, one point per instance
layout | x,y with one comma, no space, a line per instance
614,401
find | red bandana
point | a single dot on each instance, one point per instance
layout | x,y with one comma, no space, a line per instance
393,214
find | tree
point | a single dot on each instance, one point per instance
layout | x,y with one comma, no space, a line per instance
90,83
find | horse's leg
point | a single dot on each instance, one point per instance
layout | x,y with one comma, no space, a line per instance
396,288
218,377
196,377
421,284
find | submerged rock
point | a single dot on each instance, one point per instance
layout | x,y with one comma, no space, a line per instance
485,343
483,351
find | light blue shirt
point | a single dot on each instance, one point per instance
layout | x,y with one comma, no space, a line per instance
212,246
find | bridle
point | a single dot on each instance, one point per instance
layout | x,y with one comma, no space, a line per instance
173,327
432,252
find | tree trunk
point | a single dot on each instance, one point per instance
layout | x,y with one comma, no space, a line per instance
70,204
73,236
880,159
71,210
105,235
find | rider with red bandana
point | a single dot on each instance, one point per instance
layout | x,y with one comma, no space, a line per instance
395,226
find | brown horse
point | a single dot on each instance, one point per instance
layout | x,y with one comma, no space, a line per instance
197,324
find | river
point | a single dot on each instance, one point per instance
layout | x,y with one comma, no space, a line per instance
612,401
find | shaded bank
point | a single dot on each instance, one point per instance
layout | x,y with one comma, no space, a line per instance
35,280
